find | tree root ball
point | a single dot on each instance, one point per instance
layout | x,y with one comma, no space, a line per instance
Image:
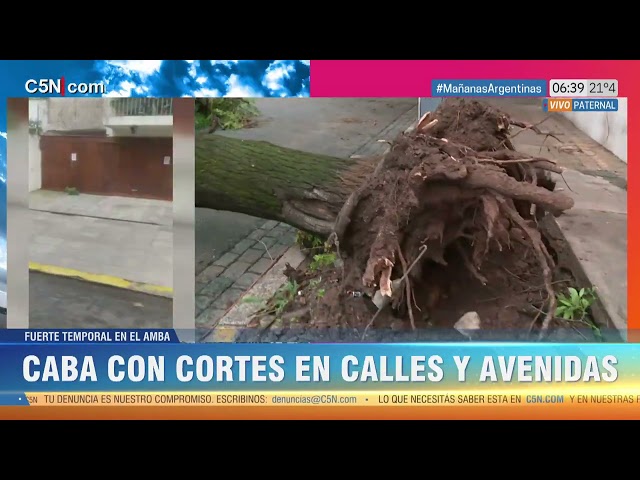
454,190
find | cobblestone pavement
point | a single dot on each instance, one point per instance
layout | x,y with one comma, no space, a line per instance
228,277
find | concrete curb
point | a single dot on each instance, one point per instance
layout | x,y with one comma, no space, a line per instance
107,280
595,231
600,310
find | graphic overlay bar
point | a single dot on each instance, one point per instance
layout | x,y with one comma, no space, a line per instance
184,218
88,336
314,399
167,366
580,105
484,380
412,78
488,88
14,400
18,213
583,88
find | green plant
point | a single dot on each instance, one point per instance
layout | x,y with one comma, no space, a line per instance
226,113
309,241
320,293
322,260
575,304
280,300
71,191
284,296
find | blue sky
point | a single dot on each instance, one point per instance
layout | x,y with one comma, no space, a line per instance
206,78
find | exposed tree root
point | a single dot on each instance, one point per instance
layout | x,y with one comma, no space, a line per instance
451,181
408,290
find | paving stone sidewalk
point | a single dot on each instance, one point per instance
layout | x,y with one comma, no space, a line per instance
136,210
223,282
138,252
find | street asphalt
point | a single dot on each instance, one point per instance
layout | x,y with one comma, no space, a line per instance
60,302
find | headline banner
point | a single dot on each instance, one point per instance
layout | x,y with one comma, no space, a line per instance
299,367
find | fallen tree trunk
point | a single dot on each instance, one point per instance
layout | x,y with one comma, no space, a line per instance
302,189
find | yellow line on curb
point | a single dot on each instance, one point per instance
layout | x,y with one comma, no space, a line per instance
108,280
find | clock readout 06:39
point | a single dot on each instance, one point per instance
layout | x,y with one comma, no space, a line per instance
583,88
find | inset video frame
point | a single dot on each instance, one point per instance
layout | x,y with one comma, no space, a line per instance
100,208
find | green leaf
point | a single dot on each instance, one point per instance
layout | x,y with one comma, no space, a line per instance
581,292
566,302
575,297
585,303
560,310
567,315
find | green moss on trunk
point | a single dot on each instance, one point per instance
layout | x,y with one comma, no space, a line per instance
264,180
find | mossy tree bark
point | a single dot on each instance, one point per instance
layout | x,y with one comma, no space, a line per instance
305,190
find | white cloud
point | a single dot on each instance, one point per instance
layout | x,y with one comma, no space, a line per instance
201,80
127,86
3,134
145,67
192,68
237,89
276,72
306,62
226,63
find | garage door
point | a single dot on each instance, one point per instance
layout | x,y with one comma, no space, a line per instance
135,167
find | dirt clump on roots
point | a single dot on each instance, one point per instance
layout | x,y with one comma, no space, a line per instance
451,221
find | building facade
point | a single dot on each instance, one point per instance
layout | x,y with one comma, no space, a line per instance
121,146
